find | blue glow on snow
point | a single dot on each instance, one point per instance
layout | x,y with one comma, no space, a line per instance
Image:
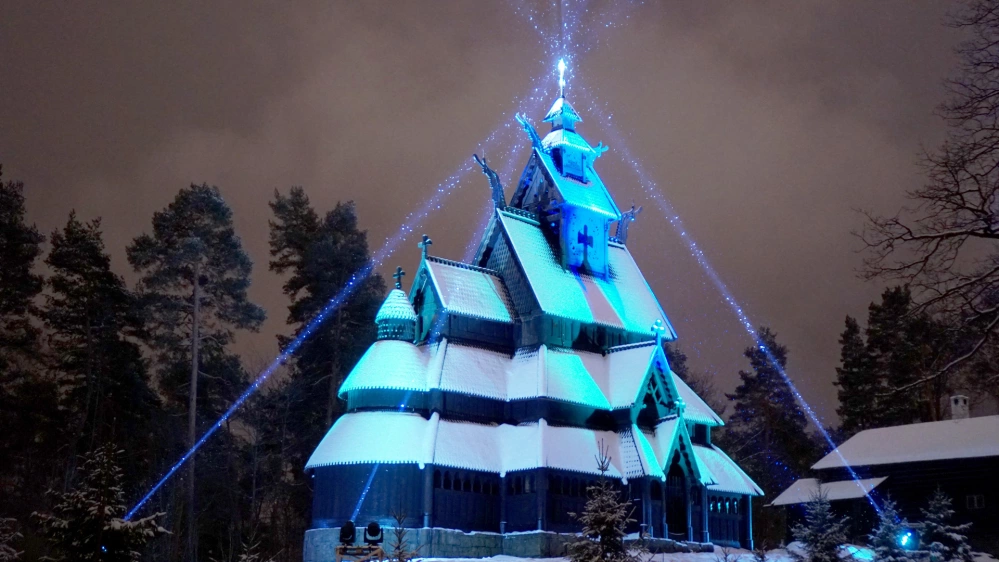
653,191
392,243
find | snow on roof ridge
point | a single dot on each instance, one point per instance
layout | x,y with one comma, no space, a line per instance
463,265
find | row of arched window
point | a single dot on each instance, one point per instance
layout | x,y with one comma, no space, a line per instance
723,505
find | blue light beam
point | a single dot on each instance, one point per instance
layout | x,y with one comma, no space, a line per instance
412,220
653,191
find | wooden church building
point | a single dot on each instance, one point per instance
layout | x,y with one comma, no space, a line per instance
494,384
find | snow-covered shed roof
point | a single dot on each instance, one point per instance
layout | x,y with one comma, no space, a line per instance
949,439
396,307
727,475
803,490
401,437
623,300
470,291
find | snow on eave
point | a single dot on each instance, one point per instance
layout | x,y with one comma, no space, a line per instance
918,442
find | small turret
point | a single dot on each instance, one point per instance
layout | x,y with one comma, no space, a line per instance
396,318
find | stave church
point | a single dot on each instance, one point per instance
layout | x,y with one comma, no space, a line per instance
476,417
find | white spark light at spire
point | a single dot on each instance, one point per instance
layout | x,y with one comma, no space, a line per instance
561,77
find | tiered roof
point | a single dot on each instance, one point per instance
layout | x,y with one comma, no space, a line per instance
563,321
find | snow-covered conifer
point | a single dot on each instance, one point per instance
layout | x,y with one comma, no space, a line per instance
823,531
946,541
87,523
604,520
8,537
885,538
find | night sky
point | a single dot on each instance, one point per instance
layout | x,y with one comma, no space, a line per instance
766,124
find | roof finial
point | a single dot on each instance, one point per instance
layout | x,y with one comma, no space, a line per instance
659,329
425,245
561,78
398,277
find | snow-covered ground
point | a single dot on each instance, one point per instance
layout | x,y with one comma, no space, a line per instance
849,553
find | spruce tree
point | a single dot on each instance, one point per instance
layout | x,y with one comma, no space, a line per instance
823,531
31,425
766,433
92,322
885,538
87,523
195,276
767,427
856,380
946,541
604,519
20,246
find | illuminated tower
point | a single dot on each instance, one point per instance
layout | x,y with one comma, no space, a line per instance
494,383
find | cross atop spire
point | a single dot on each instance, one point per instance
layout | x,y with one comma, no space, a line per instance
659,329
425,245
398,277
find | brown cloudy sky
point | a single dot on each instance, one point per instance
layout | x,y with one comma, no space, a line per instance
765,123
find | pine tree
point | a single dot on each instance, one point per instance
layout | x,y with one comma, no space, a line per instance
318,255
856,381
946,541
9,537
321,256
604,519
92,320
87,522
195,276
823,531
885,538
903,346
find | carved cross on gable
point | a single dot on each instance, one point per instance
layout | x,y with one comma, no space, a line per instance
584,237
398,277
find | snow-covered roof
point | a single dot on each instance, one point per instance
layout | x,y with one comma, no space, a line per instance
623,300
563,137
802,491
949,439
562,108
390,364
591,195
400,437
670,434
697,409
396,307
470,291
616,380
727,475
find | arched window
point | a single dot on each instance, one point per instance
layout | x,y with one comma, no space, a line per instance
466,484
437,479
574,488
518,485
477,485
735,506
447,480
